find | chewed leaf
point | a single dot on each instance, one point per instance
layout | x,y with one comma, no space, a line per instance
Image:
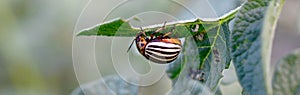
203,43
124,29
251,44
286,79
204,58
206,53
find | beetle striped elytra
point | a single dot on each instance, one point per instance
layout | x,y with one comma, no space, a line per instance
158,47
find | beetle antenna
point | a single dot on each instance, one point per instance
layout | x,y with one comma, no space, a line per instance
170,32
143,32
161,28
130,45
164,24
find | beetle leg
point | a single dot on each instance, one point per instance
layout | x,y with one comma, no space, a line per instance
130,45
162,28
143,32
170,32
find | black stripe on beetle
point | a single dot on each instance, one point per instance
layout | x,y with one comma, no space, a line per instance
155,46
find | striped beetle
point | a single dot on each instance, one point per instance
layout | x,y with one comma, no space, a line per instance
158,47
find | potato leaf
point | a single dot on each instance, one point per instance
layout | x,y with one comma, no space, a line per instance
251,42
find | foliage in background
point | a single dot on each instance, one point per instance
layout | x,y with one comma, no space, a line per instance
36,58
115,83
251,43
286,77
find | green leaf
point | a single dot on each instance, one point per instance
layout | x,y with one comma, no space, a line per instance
122,27
110,28
213,55
286,79
183,84
207,51
203,44
109,85
218,56
251,42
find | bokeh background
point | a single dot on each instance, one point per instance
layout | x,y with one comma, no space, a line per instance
36,41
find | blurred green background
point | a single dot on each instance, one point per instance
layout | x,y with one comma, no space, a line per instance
36,41
36,46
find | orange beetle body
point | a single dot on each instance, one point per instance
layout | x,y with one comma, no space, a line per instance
158,47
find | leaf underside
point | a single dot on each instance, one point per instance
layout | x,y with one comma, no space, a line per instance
251,41
212,58
122,28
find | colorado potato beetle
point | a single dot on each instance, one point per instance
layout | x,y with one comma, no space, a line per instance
158,47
